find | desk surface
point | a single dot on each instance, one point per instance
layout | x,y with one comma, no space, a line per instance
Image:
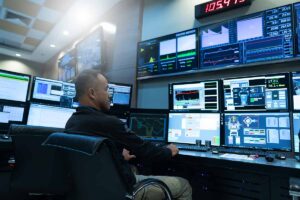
288,163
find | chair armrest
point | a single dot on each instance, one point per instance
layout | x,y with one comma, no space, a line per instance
148,182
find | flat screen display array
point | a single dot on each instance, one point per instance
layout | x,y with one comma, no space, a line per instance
56,117
187,128
149,126
256,93
194,96
260,37
89,51
13,86
67,66
168,54
263,36
258,130
57,92
120,95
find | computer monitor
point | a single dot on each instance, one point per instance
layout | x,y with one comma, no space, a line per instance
120,95
258,130
48,116
187,128
53,91
14,86
89,51
296,117
11,113
268,92
149,125
296,90
201,95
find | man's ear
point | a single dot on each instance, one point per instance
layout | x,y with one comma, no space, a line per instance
91,93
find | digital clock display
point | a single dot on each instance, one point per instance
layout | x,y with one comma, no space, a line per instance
217,6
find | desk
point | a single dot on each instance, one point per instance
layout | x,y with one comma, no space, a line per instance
215,177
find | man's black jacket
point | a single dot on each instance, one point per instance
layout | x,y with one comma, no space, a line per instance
91,121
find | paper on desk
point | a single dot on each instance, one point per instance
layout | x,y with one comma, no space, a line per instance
236,156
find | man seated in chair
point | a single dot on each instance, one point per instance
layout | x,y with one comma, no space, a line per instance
92,93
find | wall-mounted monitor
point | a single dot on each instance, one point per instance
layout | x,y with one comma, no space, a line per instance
120,95
168,54
53,91
258,130
259,37
187,128
89,51
48,116
268,92
67,66
297,27
201,95
149,124
14,86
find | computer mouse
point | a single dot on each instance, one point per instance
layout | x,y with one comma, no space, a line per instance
280,157
270,157
214,151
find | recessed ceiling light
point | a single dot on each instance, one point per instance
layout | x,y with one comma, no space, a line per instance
66,32
18,55
52,45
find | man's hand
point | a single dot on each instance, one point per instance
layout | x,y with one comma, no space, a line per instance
173,149
126,155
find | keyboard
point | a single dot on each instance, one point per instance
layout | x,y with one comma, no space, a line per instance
246,151
192,147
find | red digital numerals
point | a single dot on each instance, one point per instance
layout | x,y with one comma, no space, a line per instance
217,5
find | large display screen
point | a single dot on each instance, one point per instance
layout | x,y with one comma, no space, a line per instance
258,37
89,51
171,53
14,86
258,130
187,128
202,95
256,93
296,90
58,92
149,126
297,27
296,132
67,66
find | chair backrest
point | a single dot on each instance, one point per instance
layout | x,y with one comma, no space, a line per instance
97,170
38,169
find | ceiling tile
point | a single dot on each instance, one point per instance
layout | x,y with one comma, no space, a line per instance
28,47
36,34
42,25
59,5
40,2
49,15
11,36
25,7
32,41
7,26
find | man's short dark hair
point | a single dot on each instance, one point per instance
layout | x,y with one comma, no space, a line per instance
85,80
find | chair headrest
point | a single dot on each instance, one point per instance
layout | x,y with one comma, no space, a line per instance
74,142
31,130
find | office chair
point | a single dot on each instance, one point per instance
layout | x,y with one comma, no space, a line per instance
97,169
38,170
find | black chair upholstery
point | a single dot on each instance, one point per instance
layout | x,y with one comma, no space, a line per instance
38,169
97,170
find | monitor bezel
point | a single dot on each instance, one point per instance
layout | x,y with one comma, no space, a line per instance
220,131
119,106
28,86
258,110
256,148
171,100
36,100
151,112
